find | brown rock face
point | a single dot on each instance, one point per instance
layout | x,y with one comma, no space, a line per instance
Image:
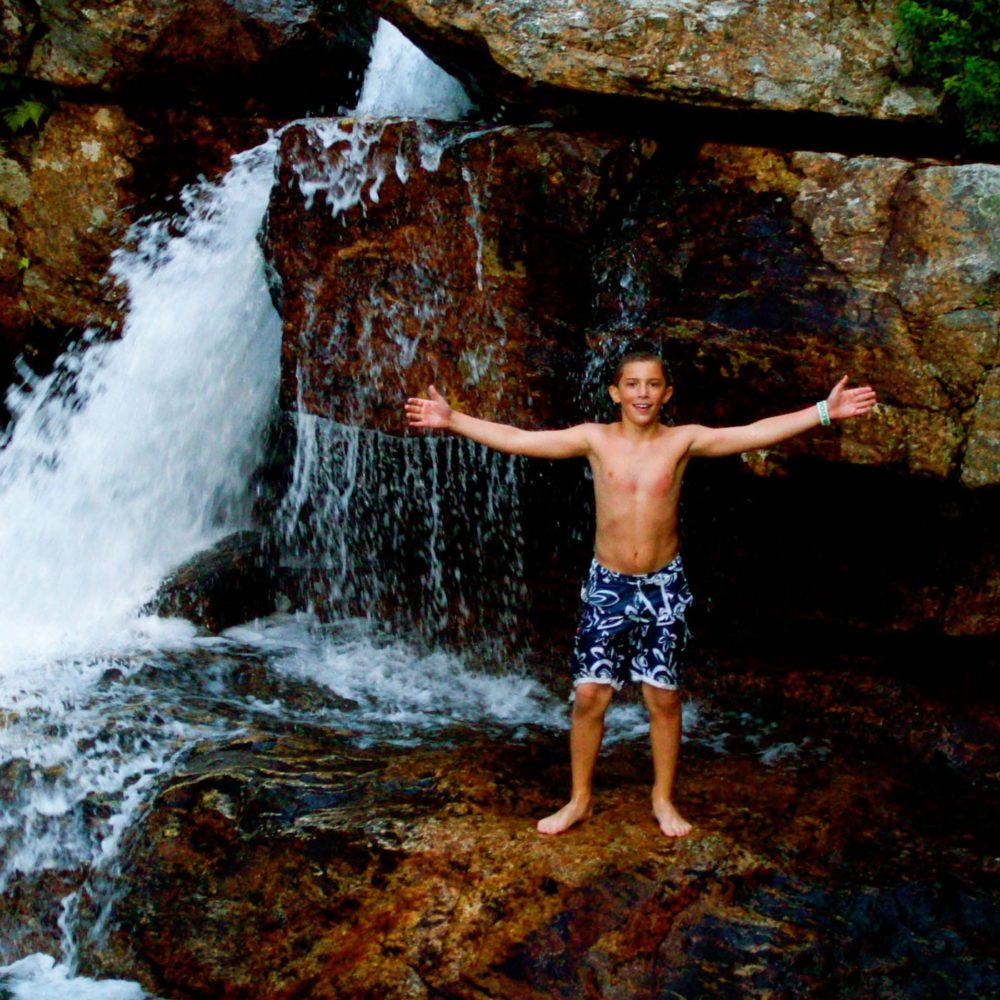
68,195
464,260
839,58
227,585
418,873
767,274
76,213
191,83
765,264
222,53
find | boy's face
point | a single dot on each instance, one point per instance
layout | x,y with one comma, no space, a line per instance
641,392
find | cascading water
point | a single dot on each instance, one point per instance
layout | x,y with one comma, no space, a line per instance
403,82
132,456
136,453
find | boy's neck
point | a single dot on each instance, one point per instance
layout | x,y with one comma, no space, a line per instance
638,432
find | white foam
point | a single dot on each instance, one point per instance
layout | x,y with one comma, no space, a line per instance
402,82
41,977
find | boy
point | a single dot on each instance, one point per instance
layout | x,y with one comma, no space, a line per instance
636,596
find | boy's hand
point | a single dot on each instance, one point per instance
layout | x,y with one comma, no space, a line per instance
434,412
843,403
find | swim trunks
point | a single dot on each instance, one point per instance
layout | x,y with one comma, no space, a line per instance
632,623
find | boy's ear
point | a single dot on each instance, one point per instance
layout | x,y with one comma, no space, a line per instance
669,393
616,396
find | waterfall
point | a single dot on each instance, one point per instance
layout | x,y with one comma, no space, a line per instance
423,531
136,453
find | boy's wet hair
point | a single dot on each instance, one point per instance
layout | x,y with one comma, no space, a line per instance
640,351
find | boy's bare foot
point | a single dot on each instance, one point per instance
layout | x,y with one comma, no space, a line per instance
570,814
672,823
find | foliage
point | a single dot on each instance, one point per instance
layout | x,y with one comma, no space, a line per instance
19,115
31,102
956,47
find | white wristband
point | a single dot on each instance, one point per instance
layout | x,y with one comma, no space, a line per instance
824,413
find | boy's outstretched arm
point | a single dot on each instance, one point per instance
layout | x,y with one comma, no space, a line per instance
434,413
842,404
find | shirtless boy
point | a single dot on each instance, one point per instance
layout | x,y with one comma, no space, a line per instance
632,624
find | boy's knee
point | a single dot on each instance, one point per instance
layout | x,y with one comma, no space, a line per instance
592,699
662,701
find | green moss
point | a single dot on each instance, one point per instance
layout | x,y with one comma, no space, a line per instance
956,49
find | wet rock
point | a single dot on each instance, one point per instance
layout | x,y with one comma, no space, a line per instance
192,83
463,261
226,585
30,910
839,59
418,873
943,692
67,198
766,275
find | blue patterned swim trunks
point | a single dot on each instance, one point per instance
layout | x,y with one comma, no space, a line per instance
632,626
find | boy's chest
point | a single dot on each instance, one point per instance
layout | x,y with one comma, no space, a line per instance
649,475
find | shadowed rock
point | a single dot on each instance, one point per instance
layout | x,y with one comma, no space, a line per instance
226,585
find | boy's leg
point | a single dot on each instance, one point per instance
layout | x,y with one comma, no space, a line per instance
590,702
665,737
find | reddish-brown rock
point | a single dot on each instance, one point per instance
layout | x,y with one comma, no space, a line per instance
67,196
465,260
816,264
766,275
76,213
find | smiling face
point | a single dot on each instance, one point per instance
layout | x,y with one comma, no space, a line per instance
641,392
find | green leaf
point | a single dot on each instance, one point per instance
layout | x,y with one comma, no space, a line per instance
23,113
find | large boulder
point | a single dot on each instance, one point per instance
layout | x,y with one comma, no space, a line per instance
417,872
226,585
76,212
494,262
839,58
786,269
